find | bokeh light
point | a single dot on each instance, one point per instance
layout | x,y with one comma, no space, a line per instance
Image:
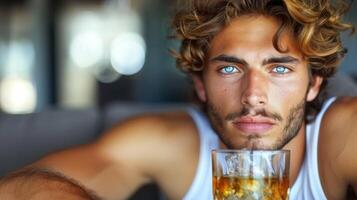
127,53
86,49
17,57
17,95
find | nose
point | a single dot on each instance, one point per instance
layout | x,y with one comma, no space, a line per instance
254,89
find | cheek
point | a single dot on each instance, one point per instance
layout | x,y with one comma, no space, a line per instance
221,93
294,89
285,95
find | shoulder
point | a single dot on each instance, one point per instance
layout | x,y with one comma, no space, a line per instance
340,120
150,141
163,147
151,129
343,111
339,123
339,137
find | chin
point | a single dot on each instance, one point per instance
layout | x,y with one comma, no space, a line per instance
251,144
259,145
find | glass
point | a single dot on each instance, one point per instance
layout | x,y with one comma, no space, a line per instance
253,175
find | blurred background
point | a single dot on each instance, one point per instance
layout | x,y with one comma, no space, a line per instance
87,53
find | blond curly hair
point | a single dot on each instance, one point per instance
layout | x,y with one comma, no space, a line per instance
316,25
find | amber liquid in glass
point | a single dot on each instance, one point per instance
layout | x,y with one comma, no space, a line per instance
242,188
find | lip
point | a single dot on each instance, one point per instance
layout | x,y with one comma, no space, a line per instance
256,125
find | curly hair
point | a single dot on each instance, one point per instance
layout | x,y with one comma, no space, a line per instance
316,25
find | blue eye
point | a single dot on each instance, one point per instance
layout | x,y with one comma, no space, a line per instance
229,70
280,69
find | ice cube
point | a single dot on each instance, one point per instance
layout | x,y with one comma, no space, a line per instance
238,164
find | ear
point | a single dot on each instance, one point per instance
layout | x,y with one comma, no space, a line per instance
314,88
199,87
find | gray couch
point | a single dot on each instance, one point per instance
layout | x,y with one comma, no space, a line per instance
26,138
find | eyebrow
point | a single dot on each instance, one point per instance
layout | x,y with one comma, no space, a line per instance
231,59
237,60
283,59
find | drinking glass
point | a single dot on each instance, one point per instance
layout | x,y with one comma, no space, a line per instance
250,174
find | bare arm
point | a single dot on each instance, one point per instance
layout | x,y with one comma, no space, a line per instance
348,157
114,166
48,185
340,146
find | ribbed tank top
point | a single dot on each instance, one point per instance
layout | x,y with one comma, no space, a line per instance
306,186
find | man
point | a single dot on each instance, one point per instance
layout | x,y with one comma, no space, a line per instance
258,67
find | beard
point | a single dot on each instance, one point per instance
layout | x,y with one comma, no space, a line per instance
293,124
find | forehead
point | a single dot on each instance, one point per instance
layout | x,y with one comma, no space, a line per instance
252,33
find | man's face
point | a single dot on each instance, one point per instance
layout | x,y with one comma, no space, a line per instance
255,95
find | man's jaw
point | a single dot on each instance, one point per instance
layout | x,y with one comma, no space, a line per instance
251,143
254,144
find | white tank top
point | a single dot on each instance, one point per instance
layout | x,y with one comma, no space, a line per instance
306,186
